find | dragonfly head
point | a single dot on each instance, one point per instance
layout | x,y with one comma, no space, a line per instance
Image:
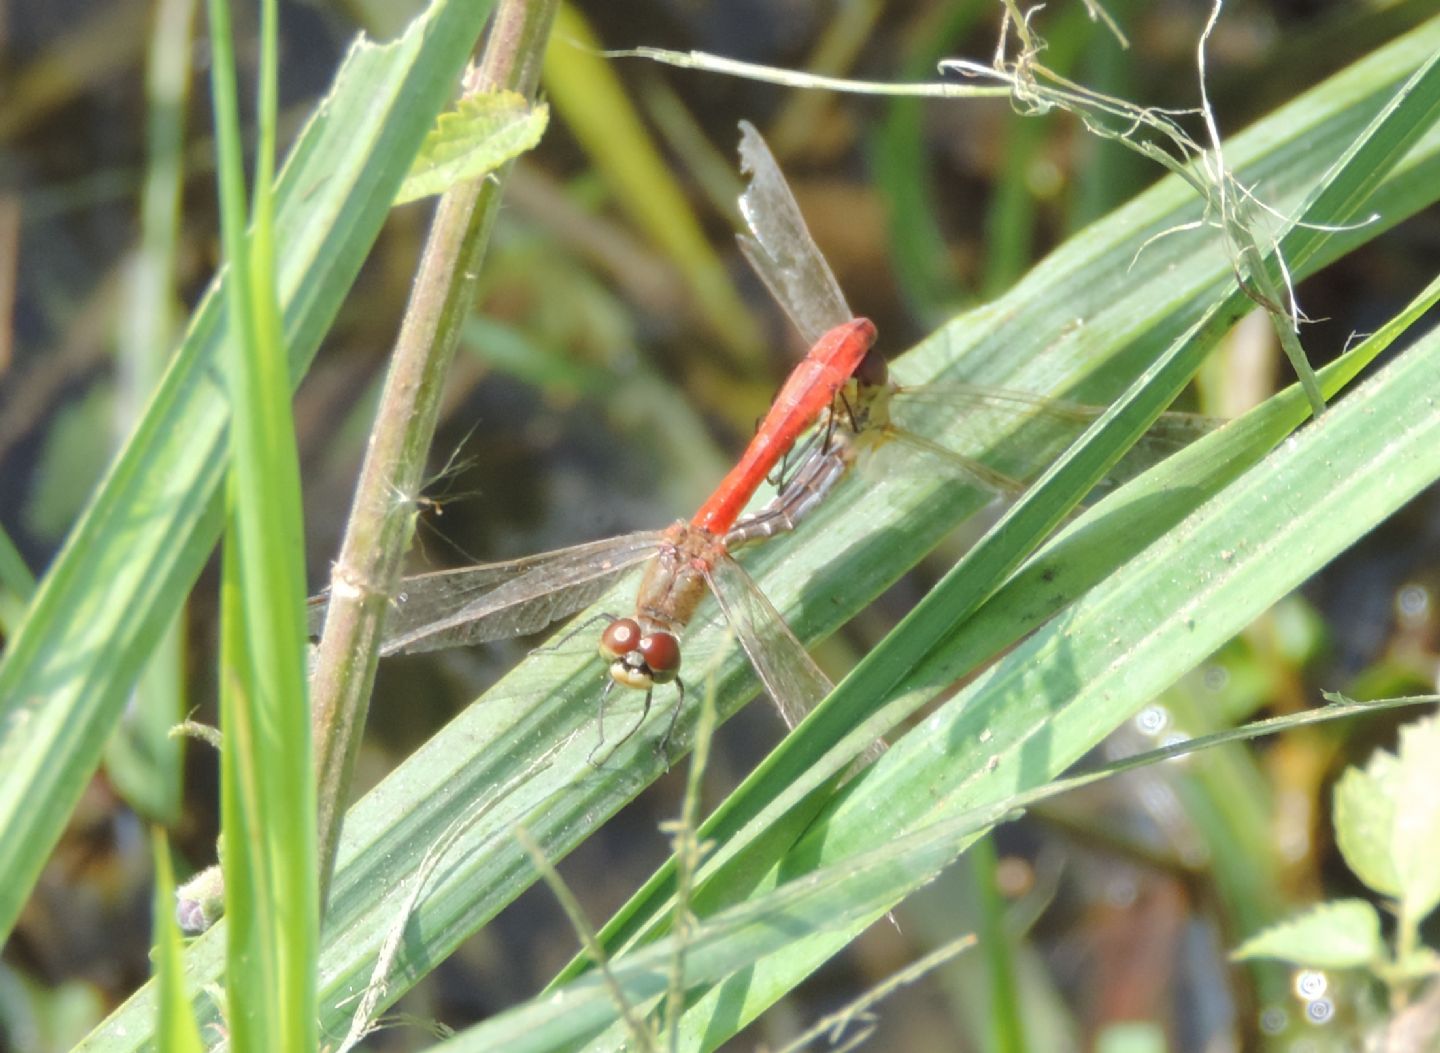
872,372
639,659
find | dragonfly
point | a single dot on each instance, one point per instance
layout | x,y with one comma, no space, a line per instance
488,602
842,383
782,252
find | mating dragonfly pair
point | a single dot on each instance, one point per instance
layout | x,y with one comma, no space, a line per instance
839,393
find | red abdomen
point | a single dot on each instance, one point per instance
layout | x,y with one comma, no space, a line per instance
810,388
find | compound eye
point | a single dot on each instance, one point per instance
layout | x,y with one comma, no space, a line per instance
661,652
872,370
620,638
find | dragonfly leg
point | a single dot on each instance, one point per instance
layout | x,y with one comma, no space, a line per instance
788,465
849,409
644,712
600,723
574,632
663,746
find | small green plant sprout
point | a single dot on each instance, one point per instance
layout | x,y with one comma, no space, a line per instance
483,132
1387,825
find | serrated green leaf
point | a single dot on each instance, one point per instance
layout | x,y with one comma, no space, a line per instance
1387,820
1416,831
480,135
1364,817
1338,935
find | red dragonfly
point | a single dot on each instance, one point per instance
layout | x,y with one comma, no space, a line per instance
496,601
785,256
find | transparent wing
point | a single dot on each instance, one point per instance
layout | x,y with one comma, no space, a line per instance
793,680
1052,425
961,467
779,245
495,601
1170,429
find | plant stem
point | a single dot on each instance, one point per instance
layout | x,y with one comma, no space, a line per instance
380,527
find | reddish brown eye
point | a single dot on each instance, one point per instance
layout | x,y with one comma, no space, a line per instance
872,370
620,637
662,654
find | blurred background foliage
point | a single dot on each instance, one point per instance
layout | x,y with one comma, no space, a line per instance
619,358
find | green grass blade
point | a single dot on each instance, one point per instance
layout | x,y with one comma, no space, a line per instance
127,565
823,900
17,584
175,1030
142,759
267,776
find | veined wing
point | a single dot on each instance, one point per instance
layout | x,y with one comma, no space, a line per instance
1174,429
962,468
779,245
1057,423
495,601
793,680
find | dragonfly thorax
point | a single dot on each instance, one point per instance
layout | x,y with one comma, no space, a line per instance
639,659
